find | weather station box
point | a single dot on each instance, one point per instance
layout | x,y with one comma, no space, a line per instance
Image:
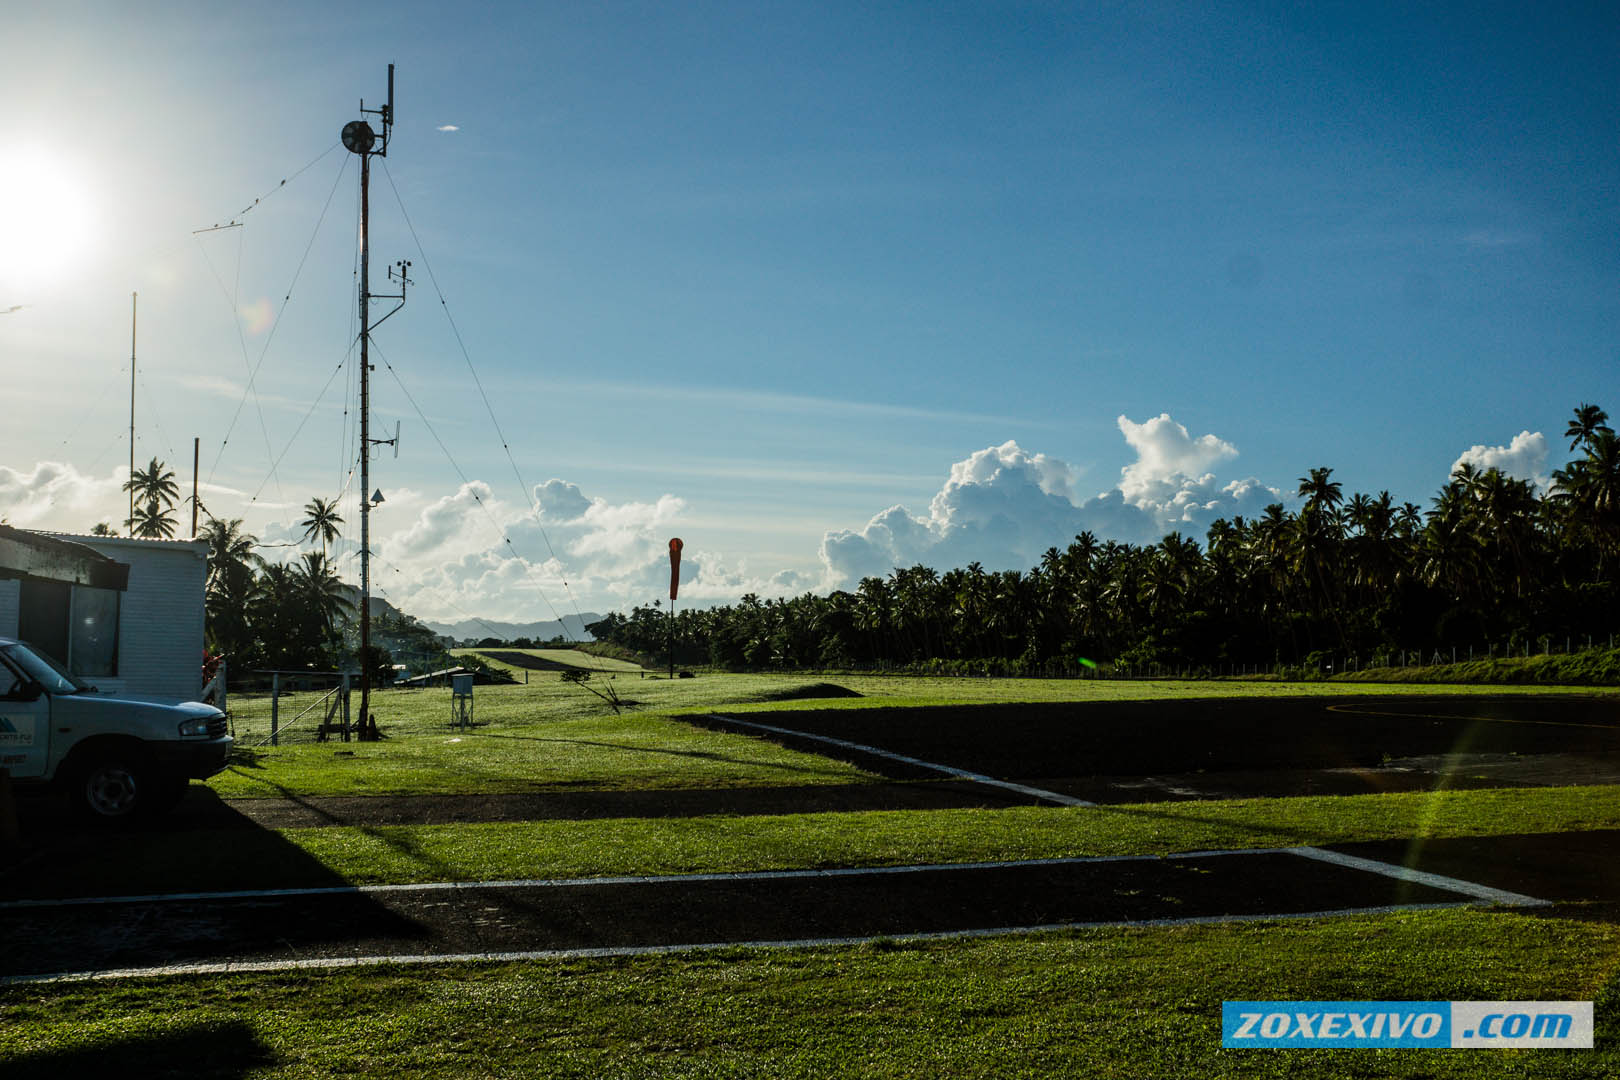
461,685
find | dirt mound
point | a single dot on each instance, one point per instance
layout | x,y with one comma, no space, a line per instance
805,693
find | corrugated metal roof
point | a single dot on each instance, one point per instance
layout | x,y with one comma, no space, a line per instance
28,554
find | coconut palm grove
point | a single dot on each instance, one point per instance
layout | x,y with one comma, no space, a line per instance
1492,567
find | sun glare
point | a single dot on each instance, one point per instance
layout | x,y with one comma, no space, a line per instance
45,220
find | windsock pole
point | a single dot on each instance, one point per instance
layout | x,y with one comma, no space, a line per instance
674,587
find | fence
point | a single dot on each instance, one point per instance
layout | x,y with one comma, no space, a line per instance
298,708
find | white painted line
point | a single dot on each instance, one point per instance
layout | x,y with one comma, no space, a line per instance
963,774
1422,877
341,962
642,879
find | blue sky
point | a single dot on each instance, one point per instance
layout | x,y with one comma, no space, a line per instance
753,274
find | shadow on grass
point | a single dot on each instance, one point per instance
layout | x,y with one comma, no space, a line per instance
221,1050
204,847
398,841
700,754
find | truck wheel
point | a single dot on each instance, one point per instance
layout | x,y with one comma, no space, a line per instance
166,792
113,788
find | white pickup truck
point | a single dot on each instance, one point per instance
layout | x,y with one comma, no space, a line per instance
117,758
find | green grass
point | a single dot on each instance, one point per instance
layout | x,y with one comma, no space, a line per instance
597,753
1590,667
548,733
158,862
1106,1003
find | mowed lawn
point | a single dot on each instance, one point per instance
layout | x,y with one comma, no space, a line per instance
1124,1002
1104,1003
549,734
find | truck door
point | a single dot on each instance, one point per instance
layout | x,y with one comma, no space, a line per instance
25,724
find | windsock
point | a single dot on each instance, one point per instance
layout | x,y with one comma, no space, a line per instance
675,546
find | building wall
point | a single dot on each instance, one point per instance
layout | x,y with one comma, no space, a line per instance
160,619
10,606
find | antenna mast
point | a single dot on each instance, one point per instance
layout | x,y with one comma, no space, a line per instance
130,524
360,138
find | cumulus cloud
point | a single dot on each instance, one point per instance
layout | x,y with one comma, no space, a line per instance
43,494
1165,454
1525,458
468,553
441,521
1003,507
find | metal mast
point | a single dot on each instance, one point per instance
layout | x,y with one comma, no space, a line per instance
130,525
359,138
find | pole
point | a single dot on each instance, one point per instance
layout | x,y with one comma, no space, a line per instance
366,731
671,637
130,525
196,457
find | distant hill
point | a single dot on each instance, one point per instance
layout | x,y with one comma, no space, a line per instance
379,606
537,631
484,628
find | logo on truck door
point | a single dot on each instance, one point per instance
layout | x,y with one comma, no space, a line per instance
16,731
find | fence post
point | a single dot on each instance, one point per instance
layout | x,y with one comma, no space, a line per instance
275,709
344,686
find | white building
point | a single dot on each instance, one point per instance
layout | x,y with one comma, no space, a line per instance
126,615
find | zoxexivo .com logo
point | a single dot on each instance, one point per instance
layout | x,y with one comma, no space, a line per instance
1476,1025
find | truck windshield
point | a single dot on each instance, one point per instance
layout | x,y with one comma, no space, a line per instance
43,670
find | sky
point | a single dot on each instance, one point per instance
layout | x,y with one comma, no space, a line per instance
823,289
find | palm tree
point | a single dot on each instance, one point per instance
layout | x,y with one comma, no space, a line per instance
1319,491
322,522
233,587
152,521
1590,489
155,483
1589,421
323,592
230,550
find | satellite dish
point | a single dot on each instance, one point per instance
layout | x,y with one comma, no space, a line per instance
358,138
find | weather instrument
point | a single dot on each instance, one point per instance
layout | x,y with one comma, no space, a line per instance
358,138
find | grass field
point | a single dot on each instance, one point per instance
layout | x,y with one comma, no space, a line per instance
1127,1002
1115,1003
397,854
548,733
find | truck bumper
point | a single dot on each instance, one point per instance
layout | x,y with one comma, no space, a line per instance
194,760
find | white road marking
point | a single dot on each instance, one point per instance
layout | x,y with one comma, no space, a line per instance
963,774
1423,877
417,959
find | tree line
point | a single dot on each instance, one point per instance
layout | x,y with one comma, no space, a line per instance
1491,563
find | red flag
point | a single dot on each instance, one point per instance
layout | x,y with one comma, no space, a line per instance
674,567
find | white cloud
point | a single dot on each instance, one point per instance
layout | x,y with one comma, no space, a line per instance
1003,507
440,522
447,127
570,551
1525,458
54,490
1166,454
1496,239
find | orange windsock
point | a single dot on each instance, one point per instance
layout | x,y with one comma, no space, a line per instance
675,546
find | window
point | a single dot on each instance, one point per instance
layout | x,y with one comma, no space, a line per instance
76,624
